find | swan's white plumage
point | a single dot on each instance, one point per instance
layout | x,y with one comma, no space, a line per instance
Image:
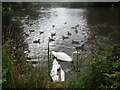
62,75
62,56
53,73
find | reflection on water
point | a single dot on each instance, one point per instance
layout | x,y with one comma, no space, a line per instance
57,17
79,23
56,21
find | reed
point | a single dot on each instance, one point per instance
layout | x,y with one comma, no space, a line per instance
48,60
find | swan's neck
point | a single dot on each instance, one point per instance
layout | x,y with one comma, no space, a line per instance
73,54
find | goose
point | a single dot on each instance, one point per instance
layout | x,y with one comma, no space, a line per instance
75,42
57,72
41,32
69,34
63,56
64,37
31,31
37,41
50,39
53,26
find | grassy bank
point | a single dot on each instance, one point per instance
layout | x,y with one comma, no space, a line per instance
104,71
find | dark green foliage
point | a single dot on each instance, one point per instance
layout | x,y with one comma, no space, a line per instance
104,71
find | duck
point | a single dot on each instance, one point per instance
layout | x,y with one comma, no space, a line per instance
84,33
51,39
64,37
31,31
73,27
27,35
75,42
41,32
53,26
65,22
77,25
53,34
27,22
79,47
37,41
76,30
31,24
69,34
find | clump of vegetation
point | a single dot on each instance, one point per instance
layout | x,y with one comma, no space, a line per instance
104,70
17,72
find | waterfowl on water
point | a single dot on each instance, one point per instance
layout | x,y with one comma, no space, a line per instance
31,24
53,26
75,42
76,30
65,22
57,72
53,34
80,47
73,27
51,39
36,41
64,37
31,31
63,56
69,34
27,35
77,25
41,32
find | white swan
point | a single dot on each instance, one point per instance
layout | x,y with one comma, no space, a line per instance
63,56
57,73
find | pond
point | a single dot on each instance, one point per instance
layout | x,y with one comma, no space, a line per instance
64,27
